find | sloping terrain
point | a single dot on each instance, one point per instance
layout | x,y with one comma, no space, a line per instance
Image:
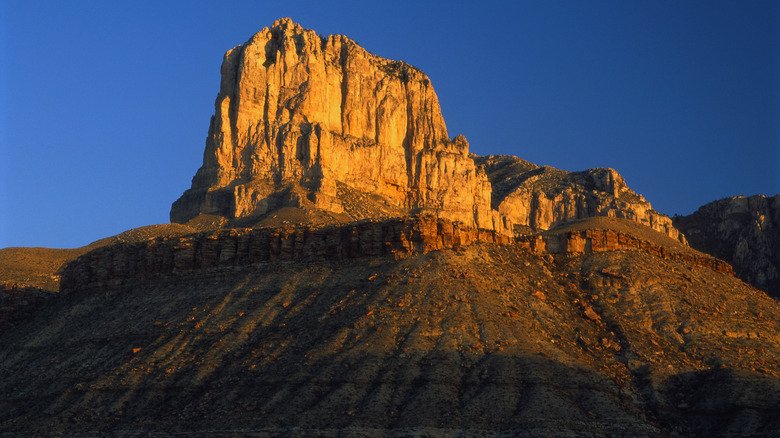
483,339
36,267
41,267
30,277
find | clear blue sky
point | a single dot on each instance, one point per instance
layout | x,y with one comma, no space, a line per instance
105,106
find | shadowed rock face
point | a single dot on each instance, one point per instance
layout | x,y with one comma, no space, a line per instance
744,231
299,115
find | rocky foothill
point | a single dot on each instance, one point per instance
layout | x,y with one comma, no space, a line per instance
487,339
341,267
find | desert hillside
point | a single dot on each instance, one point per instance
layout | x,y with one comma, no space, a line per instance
484,337
341,267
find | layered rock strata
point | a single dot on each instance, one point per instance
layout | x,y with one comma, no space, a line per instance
591,241
299,116
744,231
129,262
542,197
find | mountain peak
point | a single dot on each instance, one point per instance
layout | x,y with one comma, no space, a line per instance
323,126
304,121
285,23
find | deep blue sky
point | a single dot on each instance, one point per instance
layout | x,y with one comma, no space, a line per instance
105,106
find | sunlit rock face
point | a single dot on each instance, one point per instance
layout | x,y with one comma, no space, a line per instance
299,118
542,197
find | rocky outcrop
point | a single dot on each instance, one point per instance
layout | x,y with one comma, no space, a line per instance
744,231
592,241
542,197
301,118
131,262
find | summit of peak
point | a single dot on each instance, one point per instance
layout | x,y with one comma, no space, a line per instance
286,26
284,22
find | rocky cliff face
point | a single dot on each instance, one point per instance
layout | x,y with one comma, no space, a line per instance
744,231
131,262
301,119
136,261
542,197
317,123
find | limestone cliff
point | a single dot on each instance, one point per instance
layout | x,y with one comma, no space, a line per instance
131,262
300,120
126,263
744,231
541,197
